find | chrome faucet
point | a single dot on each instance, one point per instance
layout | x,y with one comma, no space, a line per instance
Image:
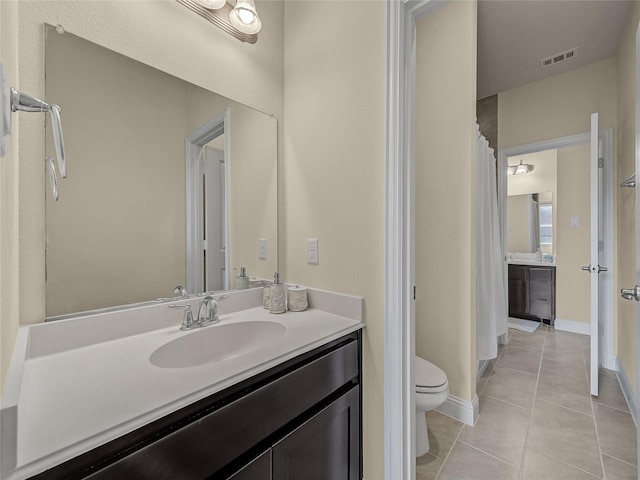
180,291
208,312
188,322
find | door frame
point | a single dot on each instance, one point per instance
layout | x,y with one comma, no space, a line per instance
607,359
399,276
195,142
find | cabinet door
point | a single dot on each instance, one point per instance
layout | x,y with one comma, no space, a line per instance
258,469
327,446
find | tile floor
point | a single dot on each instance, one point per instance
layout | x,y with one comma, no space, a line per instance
537,419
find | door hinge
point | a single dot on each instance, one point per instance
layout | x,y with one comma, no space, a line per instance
600,162
204,245
414,292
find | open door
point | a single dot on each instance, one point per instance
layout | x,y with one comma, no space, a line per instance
594,267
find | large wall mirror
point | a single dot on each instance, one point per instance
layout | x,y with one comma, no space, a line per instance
532,204
118,233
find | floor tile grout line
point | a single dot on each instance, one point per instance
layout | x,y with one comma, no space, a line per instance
595,426
533,405
501,400
611,408
453,445
618,459
565,408
488,454
565,463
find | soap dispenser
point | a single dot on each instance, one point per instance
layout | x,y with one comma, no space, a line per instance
277,302
242,282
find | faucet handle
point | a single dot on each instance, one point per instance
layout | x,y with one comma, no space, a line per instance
210,315
188,322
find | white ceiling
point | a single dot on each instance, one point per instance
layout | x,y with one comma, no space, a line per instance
514,35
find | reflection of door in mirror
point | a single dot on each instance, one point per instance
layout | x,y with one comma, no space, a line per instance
213,218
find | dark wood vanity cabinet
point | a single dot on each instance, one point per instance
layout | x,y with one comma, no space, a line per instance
532,292
319,449
299,420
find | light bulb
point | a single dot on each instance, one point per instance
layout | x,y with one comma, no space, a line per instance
245,18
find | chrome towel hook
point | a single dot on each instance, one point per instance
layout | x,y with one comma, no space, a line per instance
11,100
23,102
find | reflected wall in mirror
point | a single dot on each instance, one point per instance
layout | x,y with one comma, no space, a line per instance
530,221
118,233
531,204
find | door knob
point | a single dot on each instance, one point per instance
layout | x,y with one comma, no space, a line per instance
631,293
596,269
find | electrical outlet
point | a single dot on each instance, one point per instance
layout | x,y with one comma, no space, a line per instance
262,248
312,251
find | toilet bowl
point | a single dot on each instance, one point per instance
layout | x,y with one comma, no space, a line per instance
432,390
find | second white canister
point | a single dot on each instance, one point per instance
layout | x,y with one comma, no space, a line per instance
297,299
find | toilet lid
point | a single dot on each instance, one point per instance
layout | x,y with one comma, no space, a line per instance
427,375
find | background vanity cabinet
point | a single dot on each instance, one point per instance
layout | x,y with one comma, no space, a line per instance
532,292
299,420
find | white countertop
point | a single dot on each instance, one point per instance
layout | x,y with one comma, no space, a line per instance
73,394
533,263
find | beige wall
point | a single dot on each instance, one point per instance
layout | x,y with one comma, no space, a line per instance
9,204
626,238
558,106
164,35
334,171
572,249
445,223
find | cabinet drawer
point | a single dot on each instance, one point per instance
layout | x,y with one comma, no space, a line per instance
540,291
540,309
540,274
201,448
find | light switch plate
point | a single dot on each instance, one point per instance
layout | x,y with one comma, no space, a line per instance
575,221
262,248
312,251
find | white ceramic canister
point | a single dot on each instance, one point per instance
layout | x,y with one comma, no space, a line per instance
297,299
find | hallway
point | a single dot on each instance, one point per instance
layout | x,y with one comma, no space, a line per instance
537,419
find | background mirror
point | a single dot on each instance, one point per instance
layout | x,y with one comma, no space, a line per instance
118,233
530,222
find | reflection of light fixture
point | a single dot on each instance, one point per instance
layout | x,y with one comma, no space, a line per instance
245,18
212,4
520,168
241,21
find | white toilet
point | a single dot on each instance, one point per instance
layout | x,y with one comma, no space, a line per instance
432,390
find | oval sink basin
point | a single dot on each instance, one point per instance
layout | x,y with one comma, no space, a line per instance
215,344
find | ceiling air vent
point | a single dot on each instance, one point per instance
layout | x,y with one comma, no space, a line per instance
558,57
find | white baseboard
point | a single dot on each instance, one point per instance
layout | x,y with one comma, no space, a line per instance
572,326
462,410
627,391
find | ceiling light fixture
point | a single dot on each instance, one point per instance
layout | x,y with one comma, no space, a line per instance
241,21
520,169
245,18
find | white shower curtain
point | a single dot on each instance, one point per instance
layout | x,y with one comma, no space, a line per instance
491,286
